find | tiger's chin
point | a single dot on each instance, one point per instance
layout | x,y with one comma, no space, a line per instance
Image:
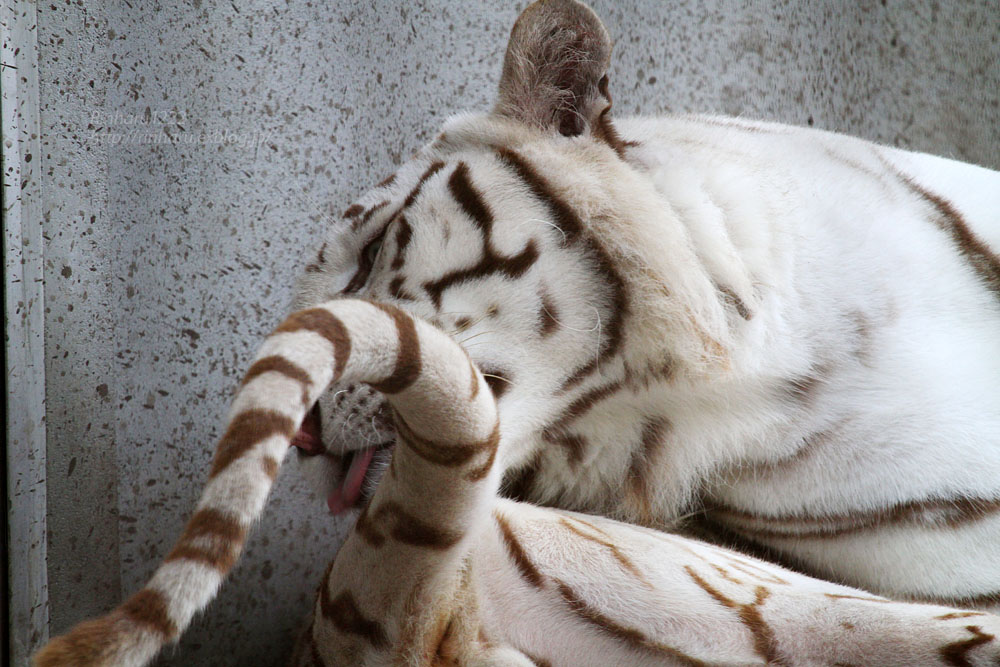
348,479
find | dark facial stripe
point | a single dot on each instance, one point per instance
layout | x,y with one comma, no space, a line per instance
360,222
353,211
327,326
434,168
945,512
279,364
472,204
408,364
983,261
630,636
404,233
575,444
765,644
343,612
149,609
396,290
957,653
469,199
517,553
548,314
622,559
246,430
566,219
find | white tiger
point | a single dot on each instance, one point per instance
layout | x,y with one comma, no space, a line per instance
792,335
789,335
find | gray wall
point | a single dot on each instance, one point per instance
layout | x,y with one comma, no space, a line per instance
192,153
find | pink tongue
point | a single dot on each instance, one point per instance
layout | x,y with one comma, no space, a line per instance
342,499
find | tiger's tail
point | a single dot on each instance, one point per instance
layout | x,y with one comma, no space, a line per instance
348,340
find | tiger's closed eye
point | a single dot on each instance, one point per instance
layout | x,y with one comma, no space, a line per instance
366,261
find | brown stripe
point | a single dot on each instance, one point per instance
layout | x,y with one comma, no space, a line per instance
644,459
343,612
572,227
575,445
353,210
957,653
149,609
246,430
474,389
436,452
736,302
634,638
225,537
764,642
603,129
480,473
434,168
860,598
547,316
937,512
279,364
403,527
622,559
564,217
360,222
517,553
396,290
582,405
403,235
983,261
959,614
321,321
472,204
407,368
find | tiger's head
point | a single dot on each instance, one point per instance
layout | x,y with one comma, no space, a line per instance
529,235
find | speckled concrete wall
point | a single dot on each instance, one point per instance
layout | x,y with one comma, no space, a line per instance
191,152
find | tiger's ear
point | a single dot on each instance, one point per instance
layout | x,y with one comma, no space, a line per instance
555,71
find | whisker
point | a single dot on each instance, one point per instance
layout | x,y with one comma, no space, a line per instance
462,342
503,379
544,222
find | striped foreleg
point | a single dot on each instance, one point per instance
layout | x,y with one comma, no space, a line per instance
437,392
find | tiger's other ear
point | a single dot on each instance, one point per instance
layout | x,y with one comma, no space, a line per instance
555,71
